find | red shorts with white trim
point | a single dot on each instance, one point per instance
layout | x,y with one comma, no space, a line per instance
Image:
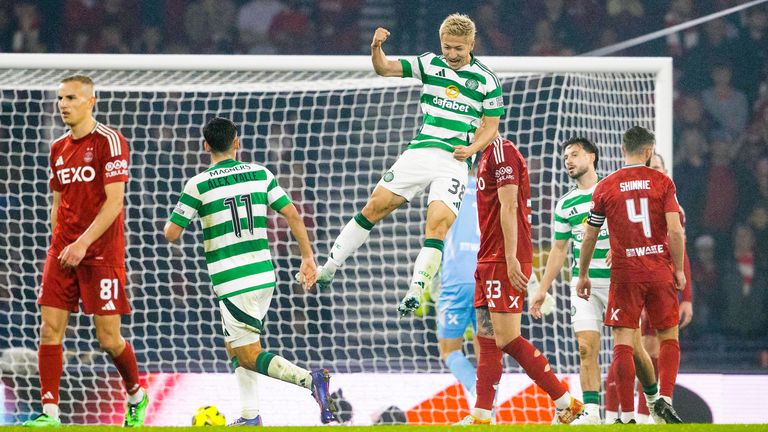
627,300
101,288
494,290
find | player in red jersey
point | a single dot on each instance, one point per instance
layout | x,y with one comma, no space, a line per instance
503,270
650,339
86,260
647,248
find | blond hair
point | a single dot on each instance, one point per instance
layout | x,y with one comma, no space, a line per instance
458,25
82,79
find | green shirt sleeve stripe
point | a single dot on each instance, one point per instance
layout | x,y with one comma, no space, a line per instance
280,203
179,220
407,71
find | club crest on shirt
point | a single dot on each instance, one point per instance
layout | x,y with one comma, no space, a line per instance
472,84
388,176
88,156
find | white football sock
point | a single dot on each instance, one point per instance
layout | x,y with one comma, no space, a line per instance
284,370
427,263
481,414
626,417
611,416
247,381
563,401
135,398
354,234
51,410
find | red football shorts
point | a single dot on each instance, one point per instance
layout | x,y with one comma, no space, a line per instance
101,288
493,289
627,300
645,325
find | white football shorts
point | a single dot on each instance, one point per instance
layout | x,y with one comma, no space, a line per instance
243,316
418,169
588,315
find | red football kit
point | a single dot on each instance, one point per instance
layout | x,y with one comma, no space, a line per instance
80,170
634,200
501,163
687,294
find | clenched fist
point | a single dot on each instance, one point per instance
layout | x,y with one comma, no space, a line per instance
379,37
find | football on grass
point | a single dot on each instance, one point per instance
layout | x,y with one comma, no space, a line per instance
208,416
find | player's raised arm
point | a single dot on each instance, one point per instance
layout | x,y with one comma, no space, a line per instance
71,255
308,269
381,64
676,241
508,219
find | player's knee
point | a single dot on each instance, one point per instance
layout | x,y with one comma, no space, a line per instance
586,351
247,355
375,210
51,333
670,333
111,343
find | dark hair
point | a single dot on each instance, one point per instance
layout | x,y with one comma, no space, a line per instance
585,144
636,138
220,133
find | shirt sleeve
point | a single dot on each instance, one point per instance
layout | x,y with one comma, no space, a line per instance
54,181
506,170
187,207
276,196
493,104
414,67
670,199
115,159
561,225
596,216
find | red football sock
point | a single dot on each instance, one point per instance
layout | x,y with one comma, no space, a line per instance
536,366
50,363
642,406
611,395
625,376
488,372
669,364
129,370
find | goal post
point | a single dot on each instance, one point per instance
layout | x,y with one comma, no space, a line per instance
328,128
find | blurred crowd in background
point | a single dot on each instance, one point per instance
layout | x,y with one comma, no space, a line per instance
721,90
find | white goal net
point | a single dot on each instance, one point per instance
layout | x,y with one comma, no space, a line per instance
328,135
